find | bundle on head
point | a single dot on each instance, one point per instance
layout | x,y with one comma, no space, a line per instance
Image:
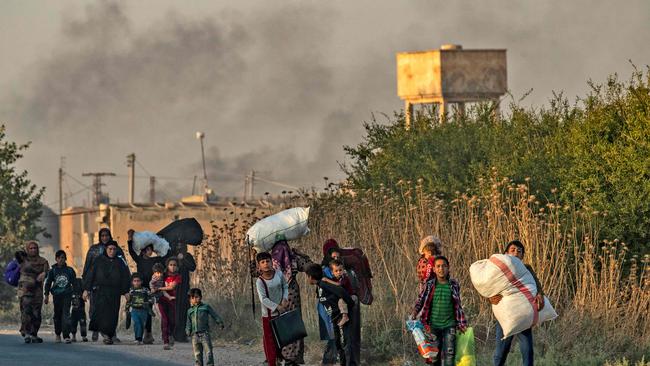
143,239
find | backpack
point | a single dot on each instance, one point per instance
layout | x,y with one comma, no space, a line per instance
12,273
355,259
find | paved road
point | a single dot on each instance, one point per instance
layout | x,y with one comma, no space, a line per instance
14,352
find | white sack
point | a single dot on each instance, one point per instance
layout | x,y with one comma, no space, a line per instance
289,224
514,312
142,239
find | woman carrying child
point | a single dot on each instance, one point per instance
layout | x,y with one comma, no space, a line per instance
440,310
289,262
167,303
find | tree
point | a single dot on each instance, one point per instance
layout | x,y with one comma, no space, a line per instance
20,203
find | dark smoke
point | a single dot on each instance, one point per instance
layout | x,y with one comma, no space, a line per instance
278,87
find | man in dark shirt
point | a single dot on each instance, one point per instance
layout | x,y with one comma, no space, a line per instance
329,294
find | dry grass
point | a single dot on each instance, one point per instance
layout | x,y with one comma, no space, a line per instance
593,284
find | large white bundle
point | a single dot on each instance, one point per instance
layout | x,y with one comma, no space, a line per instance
508,276
289,224
142,239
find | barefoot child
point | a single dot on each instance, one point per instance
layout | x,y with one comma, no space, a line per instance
197,326
158,281
338,276
440,311
273,291
138,306
329,294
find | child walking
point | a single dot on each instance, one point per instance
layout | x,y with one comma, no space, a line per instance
139,306
78,312
273,291
59,283
158,281
330,294
197,326
167,304
516,248
440,311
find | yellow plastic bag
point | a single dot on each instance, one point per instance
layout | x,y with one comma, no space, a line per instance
465,348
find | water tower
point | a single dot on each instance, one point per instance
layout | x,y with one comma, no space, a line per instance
450,75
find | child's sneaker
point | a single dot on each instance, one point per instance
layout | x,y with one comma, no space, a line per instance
95,336
67,340
57,339
84,339
28,339
140,343
166,347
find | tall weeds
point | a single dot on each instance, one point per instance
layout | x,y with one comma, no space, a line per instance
589,280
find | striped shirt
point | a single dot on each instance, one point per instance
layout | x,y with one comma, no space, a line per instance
442,308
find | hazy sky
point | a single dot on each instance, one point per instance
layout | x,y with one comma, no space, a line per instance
276,86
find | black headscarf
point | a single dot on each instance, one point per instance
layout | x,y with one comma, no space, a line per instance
108,231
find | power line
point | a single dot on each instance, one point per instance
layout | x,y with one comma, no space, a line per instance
143,168
77,180
71,195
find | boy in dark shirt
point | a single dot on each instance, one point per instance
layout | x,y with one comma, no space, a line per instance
59,282
139,305
78,312
329,294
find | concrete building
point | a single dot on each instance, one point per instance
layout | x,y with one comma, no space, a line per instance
450,75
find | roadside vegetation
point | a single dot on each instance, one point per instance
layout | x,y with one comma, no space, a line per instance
570,181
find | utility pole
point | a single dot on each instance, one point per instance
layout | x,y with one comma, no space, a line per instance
97,186
152,189
61,185
130,162
251,184
200,136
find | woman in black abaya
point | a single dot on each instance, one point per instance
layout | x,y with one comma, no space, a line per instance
186,264
108,279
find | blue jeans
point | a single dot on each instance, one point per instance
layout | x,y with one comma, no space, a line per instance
139,319
445,340
503,346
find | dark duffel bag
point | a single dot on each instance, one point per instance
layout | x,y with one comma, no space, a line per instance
288,328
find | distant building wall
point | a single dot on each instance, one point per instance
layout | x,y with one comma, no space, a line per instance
79,226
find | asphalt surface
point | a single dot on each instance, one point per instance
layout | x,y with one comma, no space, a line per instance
14,352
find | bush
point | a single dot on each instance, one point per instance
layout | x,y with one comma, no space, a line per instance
595,152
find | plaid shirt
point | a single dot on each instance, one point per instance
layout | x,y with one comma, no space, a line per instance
423,305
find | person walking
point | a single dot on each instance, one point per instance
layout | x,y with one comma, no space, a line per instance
33,270
95,251
78,312
197,326
144,261
186,265
106,281
167,305
59,282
